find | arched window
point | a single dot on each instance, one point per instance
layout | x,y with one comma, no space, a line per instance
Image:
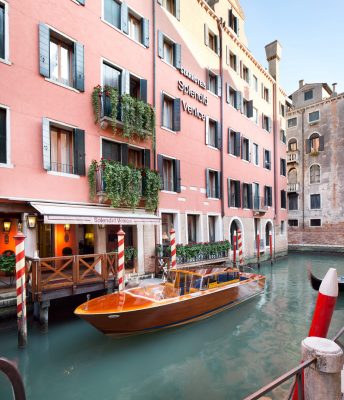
314,173
315,141
292,176
292,145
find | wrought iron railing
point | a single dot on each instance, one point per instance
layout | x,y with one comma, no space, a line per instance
65,168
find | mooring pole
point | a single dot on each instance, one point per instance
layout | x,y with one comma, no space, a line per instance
258,249
234,248
270,243
173,248
241,255
21,287
120,236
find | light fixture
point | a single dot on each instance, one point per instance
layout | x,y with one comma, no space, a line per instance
164,236
89,236
7,225
31,221
101,226
67,227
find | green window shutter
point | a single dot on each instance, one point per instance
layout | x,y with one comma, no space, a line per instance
146,158
2,31
160,44
177,178
145,32
177,55
237,144
237,194
160,170
206,35
249,196
207,185
218,185
124,17
321,143
176,115
177,8
124,154
44,50
143,90
3,136
250,109
46,144
308,146
79,152
229,192
218,135
79,79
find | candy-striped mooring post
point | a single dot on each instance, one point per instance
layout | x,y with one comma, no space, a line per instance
241,255
21,288
173,248
234,248
270,243
258,248
120,236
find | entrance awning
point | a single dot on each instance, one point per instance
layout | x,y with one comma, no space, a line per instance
74,214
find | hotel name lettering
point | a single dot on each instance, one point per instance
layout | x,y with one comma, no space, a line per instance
187,90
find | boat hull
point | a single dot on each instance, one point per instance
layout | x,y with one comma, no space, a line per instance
187,309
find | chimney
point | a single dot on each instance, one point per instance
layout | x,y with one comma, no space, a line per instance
334,93
273,55
301,83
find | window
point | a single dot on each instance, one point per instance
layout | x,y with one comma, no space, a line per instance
214,83
268,196
112,150
3,136
234,143
112,12
308,95
283,167
213,184
256,196
315,222
135,157
234,198
213,133
267,159
266,94
192,228
134,28
171,113
292,145
255,154
314,116
248,108
255,116
283,199
166,226
211,228
233,22
172,6
292,122
282,227
60,59
266,123
232,98
293,201
211,40
246,73
293,222
169,170
3,31
233,61
315,201
292,176
169,51
255,83
282,109
247,195
283,136
314,173
315,143
61,142
245,149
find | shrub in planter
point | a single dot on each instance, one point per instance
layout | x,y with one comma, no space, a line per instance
8,263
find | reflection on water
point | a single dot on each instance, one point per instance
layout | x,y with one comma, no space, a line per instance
225,357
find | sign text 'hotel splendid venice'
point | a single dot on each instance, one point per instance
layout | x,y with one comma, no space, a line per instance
186,89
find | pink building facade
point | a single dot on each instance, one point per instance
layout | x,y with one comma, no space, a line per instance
218,142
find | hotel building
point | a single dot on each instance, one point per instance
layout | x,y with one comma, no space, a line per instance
218,141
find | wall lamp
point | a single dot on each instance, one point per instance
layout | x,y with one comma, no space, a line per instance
67,227
7,225
31,221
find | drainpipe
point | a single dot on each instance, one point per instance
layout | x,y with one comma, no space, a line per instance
303,167
275,144
154,79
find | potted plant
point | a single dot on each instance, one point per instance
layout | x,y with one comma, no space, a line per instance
8,263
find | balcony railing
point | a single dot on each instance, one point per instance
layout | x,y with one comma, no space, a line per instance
293,157
259,204
293,187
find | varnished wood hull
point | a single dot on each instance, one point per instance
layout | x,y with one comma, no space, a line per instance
161,315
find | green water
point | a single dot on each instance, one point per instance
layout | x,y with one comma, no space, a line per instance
224,357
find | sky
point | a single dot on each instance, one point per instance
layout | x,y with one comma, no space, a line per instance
311,33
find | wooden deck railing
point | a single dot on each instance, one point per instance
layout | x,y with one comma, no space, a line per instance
69,274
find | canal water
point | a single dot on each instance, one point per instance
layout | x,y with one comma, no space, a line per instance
225,357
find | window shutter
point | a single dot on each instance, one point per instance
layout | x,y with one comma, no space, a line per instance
206,35
237,194
46,143
207,186
160,170
242,148
308,146
160,44
177,55
230,18
229,191
218,185
3,136
177,8
125,82
124,154
79,79
217,44
237,144
208,79
176,115
228,93
79,152
218,135
249,196
230,150
143,90
44,50
227,55
206,130
250,109
146,158
145,31
238,102
2,32
124,17
269,124
177,179
218,85
321,143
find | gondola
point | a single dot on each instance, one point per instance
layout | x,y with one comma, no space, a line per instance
316,282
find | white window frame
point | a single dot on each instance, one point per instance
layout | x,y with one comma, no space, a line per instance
315,183
218,226
309,199
176,222
6,60
253,158
199,228
8,163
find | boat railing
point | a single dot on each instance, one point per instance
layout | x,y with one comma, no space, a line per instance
295,372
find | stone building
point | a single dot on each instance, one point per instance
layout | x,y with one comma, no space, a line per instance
315,159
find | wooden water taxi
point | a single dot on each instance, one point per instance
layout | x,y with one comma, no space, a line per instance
187,296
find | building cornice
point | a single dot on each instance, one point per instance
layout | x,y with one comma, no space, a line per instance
328,100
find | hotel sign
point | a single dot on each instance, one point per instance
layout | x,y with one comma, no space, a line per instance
89,220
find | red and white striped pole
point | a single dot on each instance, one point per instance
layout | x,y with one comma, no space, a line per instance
258,248
270,243
241,255
21,287
120,238
324,308
173,248
234,248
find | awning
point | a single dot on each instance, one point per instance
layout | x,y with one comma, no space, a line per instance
75,214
